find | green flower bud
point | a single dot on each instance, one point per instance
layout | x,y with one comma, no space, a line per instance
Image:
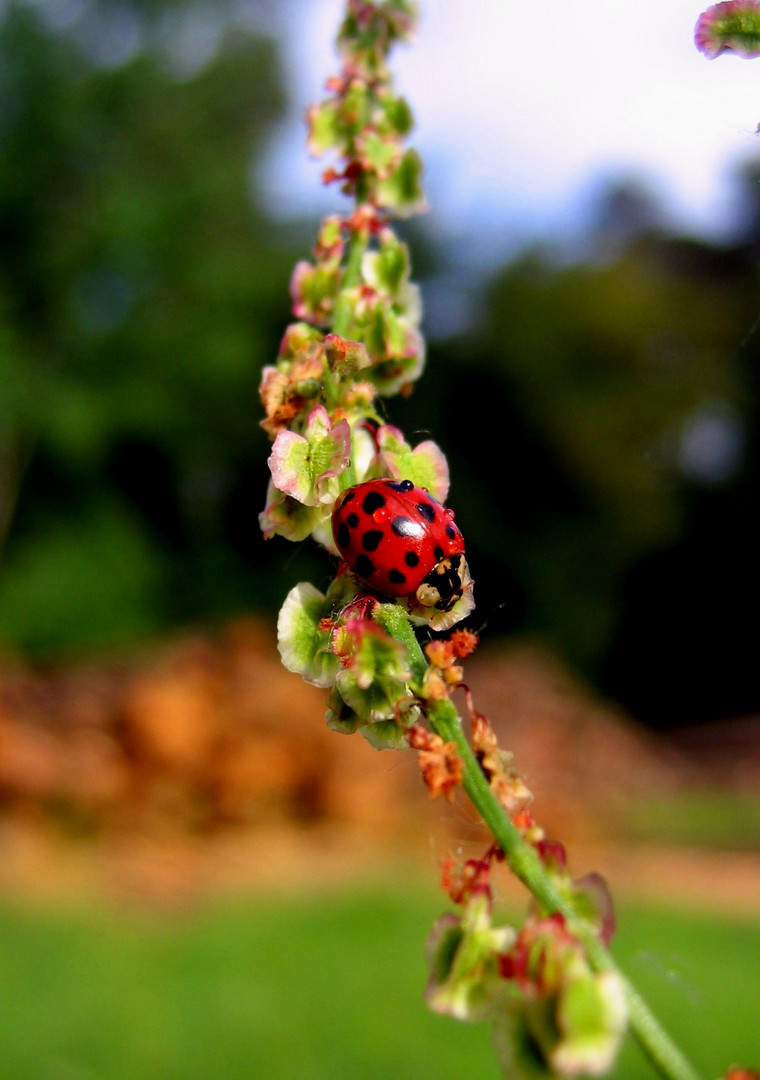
463,957
375,672
401,191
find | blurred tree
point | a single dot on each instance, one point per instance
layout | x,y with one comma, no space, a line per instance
623,210
611,509
141,289
627,409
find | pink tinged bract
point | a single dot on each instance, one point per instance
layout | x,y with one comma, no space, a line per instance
302,465
731,26
425,465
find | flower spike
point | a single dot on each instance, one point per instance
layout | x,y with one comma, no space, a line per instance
379,638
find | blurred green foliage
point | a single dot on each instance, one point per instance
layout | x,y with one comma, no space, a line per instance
141,290
605,413
600,414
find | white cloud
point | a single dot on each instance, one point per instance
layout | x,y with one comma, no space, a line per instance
519,108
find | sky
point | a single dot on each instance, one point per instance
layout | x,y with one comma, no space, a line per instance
523,111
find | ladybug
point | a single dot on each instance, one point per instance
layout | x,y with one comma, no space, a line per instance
398,540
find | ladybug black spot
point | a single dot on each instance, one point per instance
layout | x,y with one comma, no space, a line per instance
364,567
396,577
451,532
412,558
353,520
371,539
404,526
438,552
400,485
373,500
427,510
343,535
349,495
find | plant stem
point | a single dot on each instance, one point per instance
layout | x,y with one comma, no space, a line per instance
344,305
525,863
522,857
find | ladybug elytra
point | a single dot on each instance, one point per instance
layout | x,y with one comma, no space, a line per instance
400,541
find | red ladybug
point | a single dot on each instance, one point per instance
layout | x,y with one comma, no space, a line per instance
397,539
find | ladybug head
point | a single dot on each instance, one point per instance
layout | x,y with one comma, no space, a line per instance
444,585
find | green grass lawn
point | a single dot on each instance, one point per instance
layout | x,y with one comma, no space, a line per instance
719,819
324,987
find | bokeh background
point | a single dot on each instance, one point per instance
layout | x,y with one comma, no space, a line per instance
593,317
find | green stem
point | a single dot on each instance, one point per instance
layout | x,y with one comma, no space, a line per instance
525,863
395,622
342,318
344,305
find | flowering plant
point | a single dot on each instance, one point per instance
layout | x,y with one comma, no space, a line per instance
731,26
557,1003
